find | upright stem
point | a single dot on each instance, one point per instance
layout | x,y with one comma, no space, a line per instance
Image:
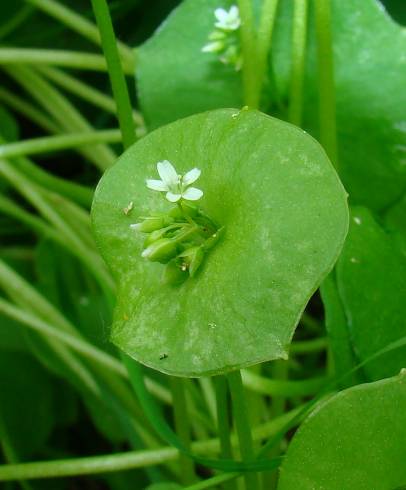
327,103
182,427
248,51
299,31
223,424
117,79
242,426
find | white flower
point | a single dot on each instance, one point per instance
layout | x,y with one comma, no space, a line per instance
228,21
176,186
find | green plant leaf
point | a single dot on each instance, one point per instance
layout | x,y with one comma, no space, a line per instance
371,280
285,216
26,402
354,440
174,78
369,73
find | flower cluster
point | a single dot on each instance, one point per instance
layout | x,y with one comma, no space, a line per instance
224,40
182,237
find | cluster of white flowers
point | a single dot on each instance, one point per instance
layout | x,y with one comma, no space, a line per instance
224,40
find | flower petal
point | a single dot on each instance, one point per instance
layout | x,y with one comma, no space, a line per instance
191,176
156,185
173,197
192,194
221,15
167,173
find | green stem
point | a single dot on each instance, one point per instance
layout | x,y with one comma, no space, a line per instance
28,110
223,423
266,24
88,93
325,64
117,79
67,116
128,460
49,144
248,51
214,481
68,59
298,58
79,24
281,387
182,427
308,346
242,426
15,21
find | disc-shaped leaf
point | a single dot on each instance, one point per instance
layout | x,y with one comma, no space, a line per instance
285,217
174,78
370,72
354,440
371,280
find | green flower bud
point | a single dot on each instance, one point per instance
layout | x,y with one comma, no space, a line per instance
162,250
213,239
154,236
152,223
187,208
192,259
173,274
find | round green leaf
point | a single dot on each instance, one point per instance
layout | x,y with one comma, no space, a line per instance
285,216
355,440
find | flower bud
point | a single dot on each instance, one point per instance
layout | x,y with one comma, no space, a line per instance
173,274
152,223
213,239
187,208
192,259
162,251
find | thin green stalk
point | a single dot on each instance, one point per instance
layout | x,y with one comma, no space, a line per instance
311,323
242,426
117,79
78,193
69,59
248,51
209,395
15,21
28,110
282,387
264,37
182,428
88,93
308,346
128,460
79,24
325,67
224,479
66,115
298,58
49,144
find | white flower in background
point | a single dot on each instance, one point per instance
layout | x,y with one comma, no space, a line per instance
176,186
228,21
224,40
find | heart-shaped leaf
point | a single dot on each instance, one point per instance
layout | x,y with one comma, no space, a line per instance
355,440
285,218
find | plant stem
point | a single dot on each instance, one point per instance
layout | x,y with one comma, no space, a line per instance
248,51
282,387
298,58
48,144
308,346
325,64
266,24
214,481
223,423
69,59
79,24
117,79
128,460
88,93
182,427
67,116
28,110
242,426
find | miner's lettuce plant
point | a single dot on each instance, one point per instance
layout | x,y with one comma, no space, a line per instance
231,313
